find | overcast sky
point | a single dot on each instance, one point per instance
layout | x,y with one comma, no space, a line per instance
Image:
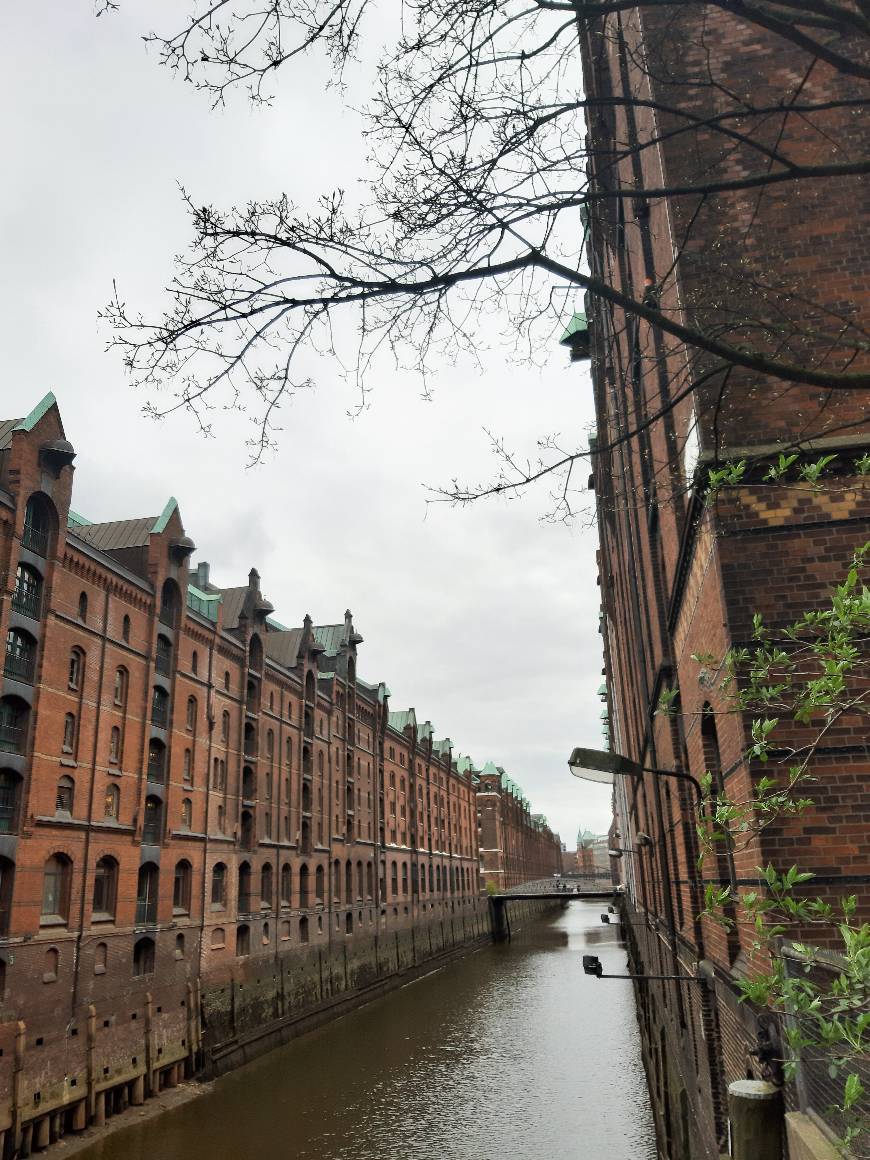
483,619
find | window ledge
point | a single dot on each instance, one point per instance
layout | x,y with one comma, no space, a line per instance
69,761
102,917
52,920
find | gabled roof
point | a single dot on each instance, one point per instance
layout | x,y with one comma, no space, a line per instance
234,602
7,426
330,637
402,719
117,533
491,769
283,647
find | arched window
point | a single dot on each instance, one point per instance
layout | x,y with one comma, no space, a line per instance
255,654
188,766
404,877
146,894
179,946
246,834
13,724
159,708
143,957
27,597
169,603
225,726
227,680
101,954
105,888
181,887
270,744
288,753
69,733
65,795
194,662
320,762
245,888
55,888
152,825
370,880
186,813
310,686
394,879
38,523
266,886
303,929
348,923
348,881
252,696
271,701
318,883
10,789
249,784
250,744
111,802
303,885
121,680
221,819
163,656
219,886
156,760
286,884
20,662
76,668
125,629
191,713
115,745
218,937
51,966
83,606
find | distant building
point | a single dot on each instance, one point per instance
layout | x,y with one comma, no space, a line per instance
515,844
209,822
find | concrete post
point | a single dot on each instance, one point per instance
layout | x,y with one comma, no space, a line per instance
755,1113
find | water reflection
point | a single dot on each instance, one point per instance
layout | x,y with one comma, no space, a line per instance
510,1052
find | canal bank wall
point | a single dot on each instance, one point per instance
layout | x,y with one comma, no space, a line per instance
266,1005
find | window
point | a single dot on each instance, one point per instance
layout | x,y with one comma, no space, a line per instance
10,784
101,954
245,888
159,708
152,825
270,744
115,745
146,894
111,802
163,657
219,885
266,886
125,629
218,937
63,802
76,665
156,760
37,525
55,888
186,813
303,885
27,597
394,878
120,697
288,752
52,963
191,712
105,888
404,877
303,929
318,884
188,766
227,681
243,941
179,946
83,606
194,662
168,603
69,733
143,957
181,887
225,726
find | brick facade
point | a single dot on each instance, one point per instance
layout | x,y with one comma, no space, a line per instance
209,822
680,576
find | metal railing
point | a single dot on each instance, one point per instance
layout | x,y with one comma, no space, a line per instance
11,738
35,539
27,601
20,667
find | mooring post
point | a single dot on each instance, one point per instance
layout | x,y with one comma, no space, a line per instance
500,930
755,1113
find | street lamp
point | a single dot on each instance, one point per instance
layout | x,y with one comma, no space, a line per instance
602,766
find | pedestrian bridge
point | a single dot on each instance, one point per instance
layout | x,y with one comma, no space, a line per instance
566,888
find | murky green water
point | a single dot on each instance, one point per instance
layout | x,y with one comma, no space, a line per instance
510,1053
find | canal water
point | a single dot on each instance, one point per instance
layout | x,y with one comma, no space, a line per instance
508,1054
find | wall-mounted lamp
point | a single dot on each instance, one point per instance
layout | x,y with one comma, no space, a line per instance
592,966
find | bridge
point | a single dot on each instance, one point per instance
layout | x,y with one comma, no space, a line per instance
564,888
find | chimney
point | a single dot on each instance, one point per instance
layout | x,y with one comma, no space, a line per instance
202,575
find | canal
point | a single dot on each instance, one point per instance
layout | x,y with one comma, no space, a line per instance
510,1053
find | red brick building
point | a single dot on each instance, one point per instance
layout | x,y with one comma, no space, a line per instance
209,823
679,575
515,845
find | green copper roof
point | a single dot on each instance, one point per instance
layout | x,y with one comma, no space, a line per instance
30,421
165,516
577,323
74,520
205,603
